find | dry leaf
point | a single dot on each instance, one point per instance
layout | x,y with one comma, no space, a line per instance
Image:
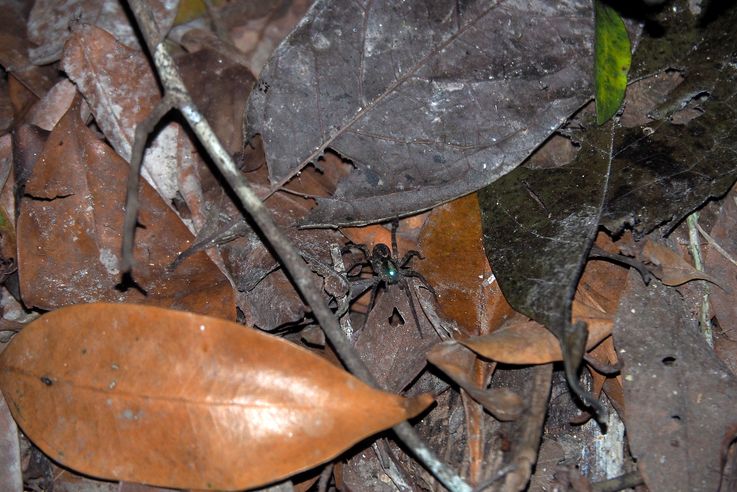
69,233
456,265
168,398
724,237
681,400
121,89
522,341
50,21
670,267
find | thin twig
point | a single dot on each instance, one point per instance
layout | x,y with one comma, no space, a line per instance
694,245
339,267
390,465
714,244
143,130
529,442
284,249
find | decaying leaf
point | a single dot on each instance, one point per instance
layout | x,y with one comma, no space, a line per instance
144,394
10,465
715,262
121,89
69,233
429,101
48,111
390,342
681,400
50,21
523,341
670,267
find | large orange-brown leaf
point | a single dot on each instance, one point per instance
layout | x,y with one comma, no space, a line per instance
69,233
169,398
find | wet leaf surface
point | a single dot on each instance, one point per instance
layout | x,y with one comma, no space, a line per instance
428,102
158,382
675,384
72,215
539,223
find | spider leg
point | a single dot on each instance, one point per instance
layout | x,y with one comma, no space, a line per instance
408,257
395,226
360,247
357,288
407,272
357,247
404,285
374,290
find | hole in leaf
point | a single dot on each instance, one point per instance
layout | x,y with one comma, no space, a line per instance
396,319
668,361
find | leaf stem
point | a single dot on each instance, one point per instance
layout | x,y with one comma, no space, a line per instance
299,272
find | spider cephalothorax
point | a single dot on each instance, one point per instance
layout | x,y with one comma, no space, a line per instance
388,269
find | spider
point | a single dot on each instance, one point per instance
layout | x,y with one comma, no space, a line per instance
388,269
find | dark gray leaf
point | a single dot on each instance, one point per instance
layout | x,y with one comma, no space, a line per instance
674,383
429,100
539,222
538,225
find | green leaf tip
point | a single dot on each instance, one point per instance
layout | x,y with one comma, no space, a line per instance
612,57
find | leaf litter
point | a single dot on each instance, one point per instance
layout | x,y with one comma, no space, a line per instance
334,167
